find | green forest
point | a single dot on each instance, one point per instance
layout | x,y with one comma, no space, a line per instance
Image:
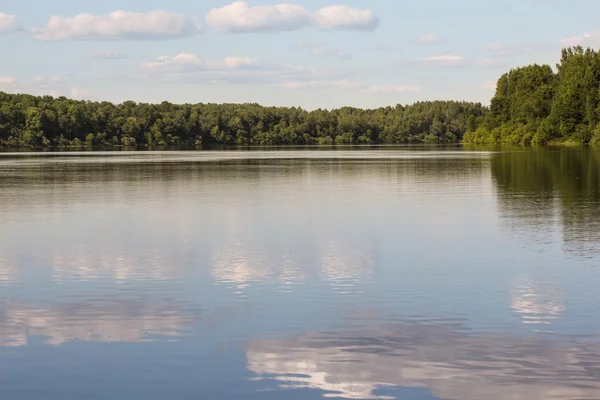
532,105
536,105
28,121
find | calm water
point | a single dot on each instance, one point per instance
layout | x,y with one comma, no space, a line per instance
390,274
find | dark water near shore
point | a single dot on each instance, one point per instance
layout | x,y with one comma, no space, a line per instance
392,274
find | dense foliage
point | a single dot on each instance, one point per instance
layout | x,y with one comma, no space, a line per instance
532,105
535,105
29,121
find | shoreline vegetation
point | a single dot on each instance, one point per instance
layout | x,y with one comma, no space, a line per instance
533,105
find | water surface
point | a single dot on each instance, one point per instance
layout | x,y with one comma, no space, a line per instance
388,274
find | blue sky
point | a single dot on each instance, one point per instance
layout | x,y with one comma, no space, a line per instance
305,53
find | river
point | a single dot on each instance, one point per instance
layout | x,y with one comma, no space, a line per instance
399,273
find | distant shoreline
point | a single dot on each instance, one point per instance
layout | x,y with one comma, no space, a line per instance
532,106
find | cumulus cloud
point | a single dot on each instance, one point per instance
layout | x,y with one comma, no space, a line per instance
231,70
344,17
190,62
240,17
429,38
443,60
9,23
118,25
107,55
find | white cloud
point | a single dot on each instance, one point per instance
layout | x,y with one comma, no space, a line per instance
429,38
344,17
239,17
231,70
9,23
107,55
576,40
323,52
457,61
118,25
190,62
497,48
443,58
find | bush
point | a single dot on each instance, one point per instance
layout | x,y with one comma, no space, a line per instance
127,141
595,141
327,140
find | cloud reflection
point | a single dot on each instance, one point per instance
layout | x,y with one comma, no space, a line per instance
537,302
87,265
345,265
8,273
341,265
94,322
241,266
444,358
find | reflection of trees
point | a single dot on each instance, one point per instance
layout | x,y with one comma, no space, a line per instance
538,189
198,201
97,322
42,181
443,358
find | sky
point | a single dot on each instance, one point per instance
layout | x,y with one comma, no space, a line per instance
308,53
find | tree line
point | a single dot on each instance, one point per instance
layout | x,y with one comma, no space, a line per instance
532,105
30,121
536,105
